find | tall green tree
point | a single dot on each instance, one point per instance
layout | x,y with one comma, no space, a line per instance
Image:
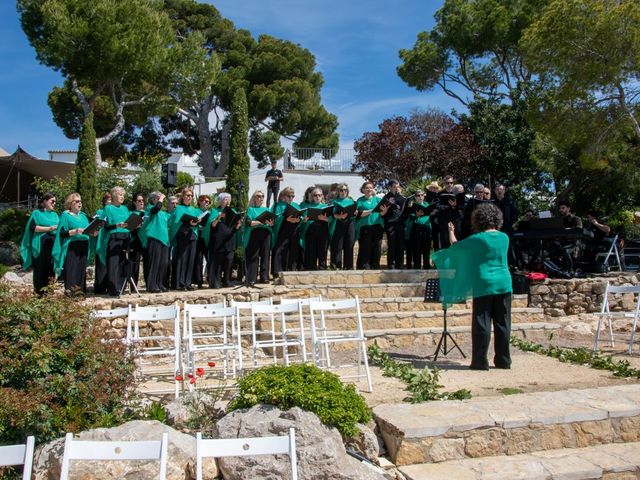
280,80
86,167
589,51
473,50
238,175
118,49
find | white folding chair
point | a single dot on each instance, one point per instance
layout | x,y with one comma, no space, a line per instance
115,450
322,338
244,314
212,329
167,344
14,455
607,315
613,251
306,315
246,447
112,313
279,332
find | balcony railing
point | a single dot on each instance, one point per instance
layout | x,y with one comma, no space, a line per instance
320,159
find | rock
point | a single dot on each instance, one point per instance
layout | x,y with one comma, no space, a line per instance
180,464
320,451
365,443
12,278
9,253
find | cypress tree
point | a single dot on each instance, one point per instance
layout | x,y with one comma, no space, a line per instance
86,167
238,173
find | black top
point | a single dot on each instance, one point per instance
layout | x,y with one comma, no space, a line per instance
396,213
274,172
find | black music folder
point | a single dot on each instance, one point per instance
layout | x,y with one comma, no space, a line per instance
94,226
314,212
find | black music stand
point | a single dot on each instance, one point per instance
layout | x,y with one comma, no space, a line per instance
432,294
128,279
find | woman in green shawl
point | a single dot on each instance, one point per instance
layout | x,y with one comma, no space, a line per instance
314,235
477,268
154,236
286,239
115,241
369,228
72,247
257,240
183,233
419,229
342,230
37,242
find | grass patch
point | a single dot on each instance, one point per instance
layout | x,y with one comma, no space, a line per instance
510,391
580,356
423,385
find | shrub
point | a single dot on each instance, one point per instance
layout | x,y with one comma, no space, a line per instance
56,372
12,223
305,386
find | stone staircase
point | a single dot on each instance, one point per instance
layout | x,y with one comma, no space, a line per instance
393,309
571,434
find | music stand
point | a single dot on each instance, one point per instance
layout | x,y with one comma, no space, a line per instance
432,294
128,277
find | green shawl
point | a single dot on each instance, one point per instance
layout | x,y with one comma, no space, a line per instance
69,221
155,226
30,246
112,215
175,222
252,214
206,231
343,202
474,267
278,210
373,218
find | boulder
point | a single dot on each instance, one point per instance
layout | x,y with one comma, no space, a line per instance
366,443
180,464
12,278
9,253
320,451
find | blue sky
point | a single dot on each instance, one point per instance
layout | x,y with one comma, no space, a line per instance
355,43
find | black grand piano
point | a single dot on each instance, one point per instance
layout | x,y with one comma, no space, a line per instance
544,244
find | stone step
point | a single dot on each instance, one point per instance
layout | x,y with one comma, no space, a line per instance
618,461
400,304
510,425
421,319
332,277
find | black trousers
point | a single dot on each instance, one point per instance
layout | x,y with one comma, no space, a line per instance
219,268
198,265
395,245
156,264
315,246
257,255
420,240
342,241
43,273
273,191
184,256
100,278
490,309
75,266
135,256
117,262
369,248
286,250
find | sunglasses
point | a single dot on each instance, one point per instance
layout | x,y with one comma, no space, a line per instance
259,196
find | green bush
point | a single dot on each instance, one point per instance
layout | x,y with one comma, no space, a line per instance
57,374
305,386
12,223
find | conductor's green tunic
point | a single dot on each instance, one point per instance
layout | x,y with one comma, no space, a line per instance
474,267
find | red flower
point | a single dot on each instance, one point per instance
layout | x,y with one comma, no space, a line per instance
179,378
189,375
212,364
192,380
199,372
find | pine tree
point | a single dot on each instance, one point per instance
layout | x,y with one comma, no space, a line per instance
238,173
86,167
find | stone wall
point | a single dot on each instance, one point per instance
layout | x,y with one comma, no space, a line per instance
559,297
